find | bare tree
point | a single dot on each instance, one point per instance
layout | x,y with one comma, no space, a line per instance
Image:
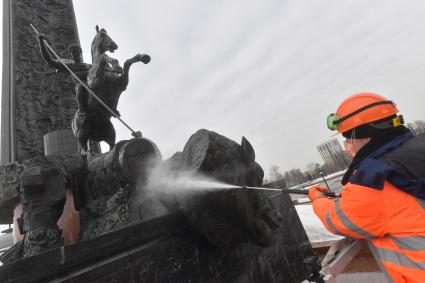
417,127
313,169
275,174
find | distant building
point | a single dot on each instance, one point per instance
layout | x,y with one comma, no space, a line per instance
333,155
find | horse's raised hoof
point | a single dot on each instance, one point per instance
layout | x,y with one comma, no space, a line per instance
145,58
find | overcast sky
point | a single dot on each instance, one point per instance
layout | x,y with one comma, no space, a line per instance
267,70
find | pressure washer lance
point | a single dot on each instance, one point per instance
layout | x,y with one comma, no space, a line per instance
291,191
324,180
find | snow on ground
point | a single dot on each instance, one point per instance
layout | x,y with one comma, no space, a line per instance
315,230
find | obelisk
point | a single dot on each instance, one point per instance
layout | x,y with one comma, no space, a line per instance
36,99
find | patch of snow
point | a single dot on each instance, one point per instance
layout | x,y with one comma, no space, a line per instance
314,228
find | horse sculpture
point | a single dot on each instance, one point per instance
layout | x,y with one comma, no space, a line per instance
107,79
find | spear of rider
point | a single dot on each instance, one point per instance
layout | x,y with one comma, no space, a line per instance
135,134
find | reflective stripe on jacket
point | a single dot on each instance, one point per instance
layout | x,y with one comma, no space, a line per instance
392,220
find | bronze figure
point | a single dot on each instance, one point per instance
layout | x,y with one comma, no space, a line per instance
105,78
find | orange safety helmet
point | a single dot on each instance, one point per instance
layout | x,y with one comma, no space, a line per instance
360,109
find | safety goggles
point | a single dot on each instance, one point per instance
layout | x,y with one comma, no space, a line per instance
333,121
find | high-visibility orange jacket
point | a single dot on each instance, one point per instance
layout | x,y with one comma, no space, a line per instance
392,221
391,218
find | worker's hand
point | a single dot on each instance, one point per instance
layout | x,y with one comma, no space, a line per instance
316,192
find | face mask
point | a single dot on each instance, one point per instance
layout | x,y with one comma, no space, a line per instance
349,148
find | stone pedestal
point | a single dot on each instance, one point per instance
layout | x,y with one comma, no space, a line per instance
61,142
166,249
43,197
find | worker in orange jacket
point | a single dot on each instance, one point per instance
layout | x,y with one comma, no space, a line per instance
383,199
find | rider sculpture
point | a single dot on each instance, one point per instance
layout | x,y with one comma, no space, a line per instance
105,78
76,65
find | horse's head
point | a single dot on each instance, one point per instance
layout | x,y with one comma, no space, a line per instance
102,43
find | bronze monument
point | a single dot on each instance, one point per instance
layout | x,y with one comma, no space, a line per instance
130,228
107,79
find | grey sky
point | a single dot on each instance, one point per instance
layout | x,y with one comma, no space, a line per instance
267,70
